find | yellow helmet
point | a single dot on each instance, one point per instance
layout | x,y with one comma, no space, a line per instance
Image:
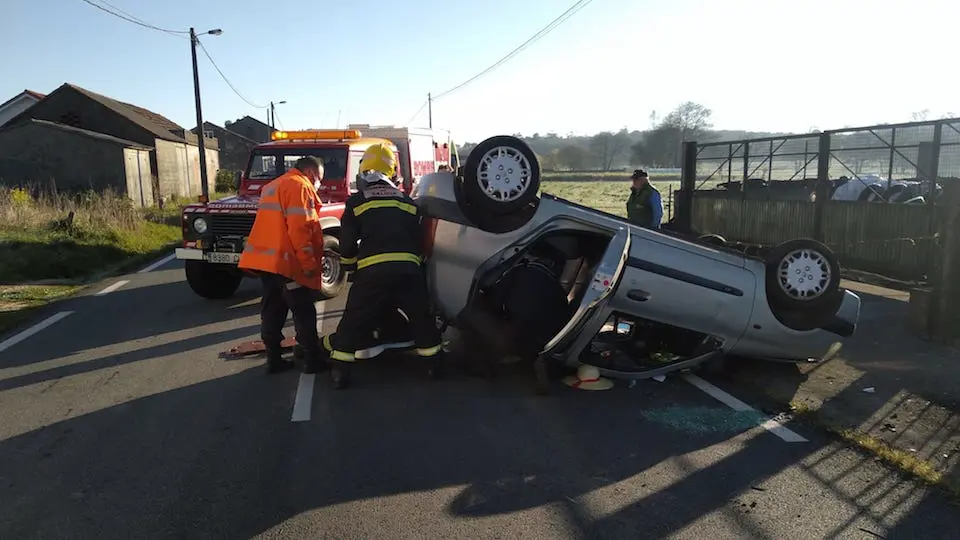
380,158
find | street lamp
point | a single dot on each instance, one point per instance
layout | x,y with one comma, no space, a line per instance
204,189
273,113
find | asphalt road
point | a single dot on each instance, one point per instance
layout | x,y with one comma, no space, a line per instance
120,421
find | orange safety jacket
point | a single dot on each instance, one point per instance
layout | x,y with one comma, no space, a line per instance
287,238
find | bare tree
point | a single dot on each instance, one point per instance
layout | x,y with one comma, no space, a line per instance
572,157
691,118
608,146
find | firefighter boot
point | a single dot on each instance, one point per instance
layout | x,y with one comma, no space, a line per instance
314,362
340,374
436,367
275,361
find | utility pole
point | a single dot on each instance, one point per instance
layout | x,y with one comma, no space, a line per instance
272,113
430,110
201,144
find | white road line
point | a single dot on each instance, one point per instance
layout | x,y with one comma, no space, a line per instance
156,264
109,289
10,342
770,425
303,403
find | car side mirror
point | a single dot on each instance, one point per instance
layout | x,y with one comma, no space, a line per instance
237,177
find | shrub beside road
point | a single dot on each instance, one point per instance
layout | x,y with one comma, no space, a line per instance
51,246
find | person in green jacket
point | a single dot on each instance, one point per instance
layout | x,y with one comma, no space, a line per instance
644,207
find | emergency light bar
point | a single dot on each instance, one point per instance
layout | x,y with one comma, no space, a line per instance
314,134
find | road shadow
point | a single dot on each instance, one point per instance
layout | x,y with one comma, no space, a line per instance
58,257
220,459
182,346
134,311
884,382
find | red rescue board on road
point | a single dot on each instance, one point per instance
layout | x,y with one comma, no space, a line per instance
254,348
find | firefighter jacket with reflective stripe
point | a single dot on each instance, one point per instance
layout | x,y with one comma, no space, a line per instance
387,224
287,238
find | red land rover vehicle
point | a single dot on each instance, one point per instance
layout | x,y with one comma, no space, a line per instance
214,233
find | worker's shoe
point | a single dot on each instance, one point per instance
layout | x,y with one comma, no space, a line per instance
275,361
340,374
314,362
436,366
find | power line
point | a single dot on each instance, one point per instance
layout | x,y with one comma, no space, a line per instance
130,18
416,114
577,6
277,120
226,80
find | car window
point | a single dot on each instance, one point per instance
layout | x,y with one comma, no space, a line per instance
263,167
353,169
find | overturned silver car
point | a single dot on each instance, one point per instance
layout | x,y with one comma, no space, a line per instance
596,289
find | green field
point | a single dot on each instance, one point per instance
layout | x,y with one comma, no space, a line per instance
586,176
608,196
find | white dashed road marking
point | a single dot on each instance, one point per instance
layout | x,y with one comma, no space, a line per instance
157,264
49,321
109,289
304,400
770,425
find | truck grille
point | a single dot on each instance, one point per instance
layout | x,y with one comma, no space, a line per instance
231,224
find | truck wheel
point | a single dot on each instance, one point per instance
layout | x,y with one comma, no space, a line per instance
211,280
501,175
802,275
334,279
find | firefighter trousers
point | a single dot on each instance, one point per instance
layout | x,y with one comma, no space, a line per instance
276,301
370,300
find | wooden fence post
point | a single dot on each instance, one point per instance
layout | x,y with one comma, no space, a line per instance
944,318
823,182
688,183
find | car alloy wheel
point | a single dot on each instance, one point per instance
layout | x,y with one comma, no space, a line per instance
804,274
504,174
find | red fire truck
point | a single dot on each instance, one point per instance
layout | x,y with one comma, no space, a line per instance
214,233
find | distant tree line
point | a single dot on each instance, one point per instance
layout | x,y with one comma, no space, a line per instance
659,146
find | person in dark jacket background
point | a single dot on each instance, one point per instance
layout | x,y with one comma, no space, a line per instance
387,267
644,207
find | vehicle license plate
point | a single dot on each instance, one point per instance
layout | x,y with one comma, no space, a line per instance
223,258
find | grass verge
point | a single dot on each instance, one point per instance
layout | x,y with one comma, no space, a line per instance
902,460
610,196
562,176
19,302
50,246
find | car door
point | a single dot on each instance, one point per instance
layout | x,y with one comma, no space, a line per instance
687,285
597,294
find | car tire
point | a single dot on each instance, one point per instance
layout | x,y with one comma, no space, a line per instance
810,318
803,275
501,175
212,281
896,194
713,239
871,193
334,278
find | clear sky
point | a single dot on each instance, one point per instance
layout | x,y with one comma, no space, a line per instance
770,65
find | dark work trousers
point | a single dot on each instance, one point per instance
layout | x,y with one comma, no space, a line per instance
370,300
277,299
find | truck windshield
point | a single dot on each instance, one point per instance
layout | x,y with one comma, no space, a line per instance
269,163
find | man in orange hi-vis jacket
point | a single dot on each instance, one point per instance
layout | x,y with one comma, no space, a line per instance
285,248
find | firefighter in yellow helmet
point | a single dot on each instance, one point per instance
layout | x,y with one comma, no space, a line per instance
387,267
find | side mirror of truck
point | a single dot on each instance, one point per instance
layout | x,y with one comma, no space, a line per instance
237,176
